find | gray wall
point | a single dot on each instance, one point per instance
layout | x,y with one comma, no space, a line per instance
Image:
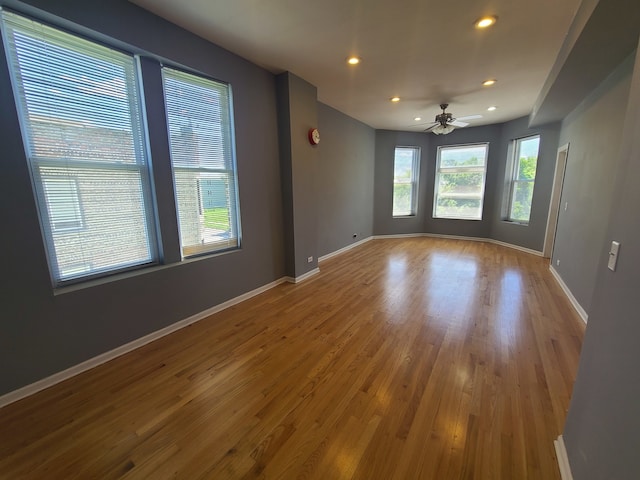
303,111
41,332
601,432
491,226
286,171
344,176
467,228
297,113
385,143
531,235
593,131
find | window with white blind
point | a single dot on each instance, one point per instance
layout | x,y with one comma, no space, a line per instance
460,178
405,181
203,161
80,113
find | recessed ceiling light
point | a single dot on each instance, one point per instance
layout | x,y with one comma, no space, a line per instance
488,83
485,22
395,99
353,60
492,108
417,119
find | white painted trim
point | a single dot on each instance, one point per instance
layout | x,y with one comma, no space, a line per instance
516,247
303,277
457,237
461,237
398,235
576,305
563,459
343,249
554,202
47,382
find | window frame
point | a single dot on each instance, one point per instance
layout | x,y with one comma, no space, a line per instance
90,48
513,168
457,170
413,181
193,251
51,207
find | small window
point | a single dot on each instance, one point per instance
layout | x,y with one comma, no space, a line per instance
522,176
405,181
62,197
459,184
81,118
203,161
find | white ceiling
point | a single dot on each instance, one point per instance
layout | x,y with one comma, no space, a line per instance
424,51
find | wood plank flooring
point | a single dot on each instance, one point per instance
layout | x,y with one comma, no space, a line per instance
413,358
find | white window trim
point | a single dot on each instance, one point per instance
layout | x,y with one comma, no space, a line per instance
82,270
513,168
234,240
415,174
470,169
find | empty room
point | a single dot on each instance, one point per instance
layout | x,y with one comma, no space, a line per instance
344,240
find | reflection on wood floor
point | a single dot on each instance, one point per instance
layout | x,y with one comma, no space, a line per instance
414,358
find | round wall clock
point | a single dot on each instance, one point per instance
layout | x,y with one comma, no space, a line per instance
314,136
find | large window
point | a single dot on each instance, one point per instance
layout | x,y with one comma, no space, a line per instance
459,184
405,181
202,156
522,176
80,113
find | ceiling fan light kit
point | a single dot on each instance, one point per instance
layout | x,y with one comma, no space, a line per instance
445,123
442,129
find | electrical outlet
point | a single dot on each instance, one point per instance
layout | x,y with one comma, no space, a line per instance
309,259
557,262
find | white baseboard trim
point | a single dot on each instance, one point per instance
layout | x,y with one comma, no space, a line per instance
563,459
398,235
47,382
460,237
303,277
517,247
343,249
576,305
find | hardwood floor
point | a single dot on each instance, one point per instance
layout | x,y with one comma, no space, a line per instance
413,358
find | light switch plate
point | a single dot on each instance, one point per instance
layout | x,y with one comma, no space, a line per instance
613,255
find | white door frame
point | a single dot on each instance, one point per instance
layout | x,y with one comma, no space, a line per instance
554,204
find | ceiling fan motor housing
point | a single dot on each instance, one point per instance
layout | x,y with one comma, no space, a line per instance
444,118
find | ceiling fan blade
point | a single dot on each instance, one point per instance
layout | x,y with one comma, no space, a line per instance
457,123
430,126
469,117
420,124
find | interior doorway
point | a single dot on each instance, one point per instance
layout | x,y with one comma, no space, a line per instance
554,205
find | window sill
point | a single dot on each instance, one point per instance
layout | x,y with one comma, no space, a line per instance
136,271
458,218
512,222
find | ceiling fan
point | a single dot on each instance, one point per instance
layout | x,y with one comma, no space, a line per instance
445,123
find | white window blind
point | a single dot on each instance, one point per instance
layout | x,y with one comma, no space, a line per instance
202,156
80,113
